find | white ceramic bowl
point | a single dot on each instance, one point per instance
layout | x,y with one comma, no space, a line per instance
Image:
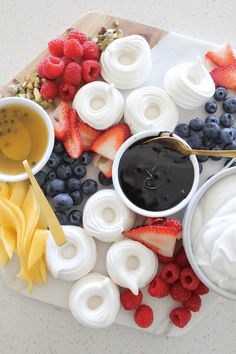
188,237
4,102
127,202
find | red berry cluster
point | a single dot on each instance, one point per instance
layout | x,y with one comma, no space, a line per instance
74,61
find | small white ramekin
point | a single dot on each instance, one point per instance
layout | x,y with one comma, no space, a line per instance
4,102
127,202
188,237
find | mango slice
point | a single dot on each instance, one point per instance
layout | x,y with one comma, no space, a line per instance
3,255
19,192
38,247
8,237
4,189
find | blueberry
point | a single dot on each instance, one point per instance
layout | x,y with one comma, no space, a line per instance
200,167
64,172
104,180
182,130
89,186
54,187
62,202
216,158
41,178
226,135
62,217
211,107
202,158
231,146
220,94
76,217
58,147
211,130
226,120
67,159
212,119
196,124
208,143
52,175
86,158
233,164
79,171
229,105
73,184
54,160
77,197
195,141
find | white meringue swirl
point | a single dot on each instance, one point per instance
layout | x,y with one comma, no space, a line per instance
189,84
105,217
95,301
131,264
126,62
99,104
150,108
73,260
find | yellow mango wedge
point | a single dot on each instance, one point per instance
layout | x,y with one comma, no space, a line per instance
19,192
3,255
4,189
8,238
38,247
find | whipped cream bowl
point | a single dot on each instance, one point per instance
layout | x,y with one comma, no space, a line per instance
209,233
152,179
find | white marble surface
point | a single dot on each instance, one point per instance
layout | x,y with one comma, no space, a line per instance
27,326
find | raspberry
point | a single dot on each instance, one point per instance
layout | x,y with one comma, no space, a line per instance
73,49
129,300
49,90
194,303
143,316
178,293
67,92
51,67
72,74
181,258
164,259
90,70
79,36
91,50
170,273
180,316
202,289
158,288
188,279
67,60
55,47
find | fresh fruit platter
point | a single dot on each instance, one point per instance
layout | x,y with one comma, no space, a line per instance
99,116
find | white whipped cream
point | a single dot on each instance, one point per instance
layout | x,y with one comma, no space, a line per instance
74,259
126,62
99,104
131,264
214,244
150,108
95,301
105,217
189,84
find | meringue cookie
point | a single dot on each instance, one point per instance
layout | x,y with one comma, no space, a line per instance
131,265
95,301
189,84
105,217
126,62
99,104
73,260
150,108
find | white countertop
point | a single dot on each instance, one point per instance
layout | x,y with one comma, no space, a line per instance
27,326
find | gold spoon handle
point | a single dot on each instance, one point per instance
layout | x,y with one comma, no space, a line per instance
223,153
50,217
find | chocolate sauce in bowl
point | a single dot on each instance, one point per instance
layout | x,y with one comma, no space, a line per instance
153,176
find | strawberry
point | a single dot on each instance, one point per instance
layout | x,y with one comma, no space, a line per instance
103,164
176,224
160,239
73,143
165,260
60,121
108,143
88,134
225,76
220,56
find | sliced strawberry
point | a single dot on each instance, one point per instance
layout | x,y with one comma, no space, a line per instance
60,121
153,221
108,143
96,159
220,56
225,76
173,223
73,143
103,164
160,239
88,134
165,260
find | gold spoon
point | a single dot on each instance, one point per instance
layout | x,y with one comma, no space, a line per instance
181,147
51,219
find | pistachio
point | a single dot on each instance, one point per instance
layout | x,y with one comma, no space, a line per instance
104,36
37,95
